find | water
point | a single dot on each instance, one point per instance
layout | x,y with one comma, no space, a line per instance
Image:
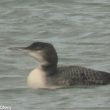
79,30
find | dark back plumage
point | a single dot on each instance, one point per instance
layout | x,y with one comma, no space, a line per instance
77,75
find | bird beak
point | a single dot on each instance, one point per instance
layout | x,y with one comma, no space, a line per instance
24,49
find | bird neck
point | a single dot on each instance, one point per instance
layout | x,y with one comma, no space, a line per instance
50,69
51,59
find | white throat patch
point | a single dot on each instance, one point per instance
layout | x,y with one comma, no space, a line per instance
38,56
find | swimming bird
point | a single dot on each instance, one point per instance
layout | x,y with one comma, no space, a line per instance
49,75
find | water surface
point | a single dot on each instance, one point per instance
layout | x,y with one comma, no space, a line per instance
79,30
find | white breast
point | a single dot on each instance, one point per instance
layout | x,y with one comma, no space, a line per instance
37,79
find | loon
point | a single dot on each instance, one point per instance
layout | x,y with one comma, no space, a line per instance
49,75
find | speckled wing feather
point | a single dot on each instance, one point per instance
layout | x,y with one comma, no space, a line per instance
77,75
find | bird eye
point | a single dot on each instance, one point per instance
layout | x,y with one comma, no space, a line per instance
38,48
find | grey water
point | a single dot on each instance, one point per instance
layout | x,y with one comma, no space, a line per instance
80,32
